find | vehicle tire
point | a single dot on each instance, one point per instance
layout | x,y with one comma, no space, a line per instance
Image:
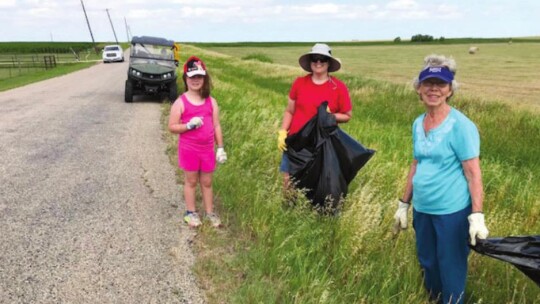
173,92
128,94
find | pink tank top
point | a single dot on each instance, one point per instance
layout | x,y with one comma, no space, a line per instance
201,139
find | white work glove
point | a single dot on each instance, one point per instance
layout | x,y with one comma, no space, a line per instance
194,123
400,216
477,227
221,156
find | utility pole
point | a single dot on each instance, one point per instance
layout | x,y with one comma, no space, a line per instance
90,29
112,25
127,29
130,34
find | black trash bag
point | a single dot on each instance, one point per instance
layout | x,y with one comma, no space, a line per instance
324,160
521,251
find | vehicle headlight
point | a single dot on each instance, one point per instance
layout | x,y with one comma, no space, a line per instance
133,72
138,73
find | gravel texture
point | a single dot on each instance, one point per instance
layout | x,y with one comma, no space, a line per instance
89,208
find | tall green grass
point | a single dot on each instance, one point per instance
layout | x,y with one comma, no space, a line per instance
270,253
259,57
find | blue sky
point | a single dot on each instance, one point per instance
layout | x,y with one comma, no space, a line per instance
267,20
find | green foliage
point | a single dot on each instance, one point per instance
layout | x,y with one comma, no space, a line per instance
259,57
421,38
281,254
397,40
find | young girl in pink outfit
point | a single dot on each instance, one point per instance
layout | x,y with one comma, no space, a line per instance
195,116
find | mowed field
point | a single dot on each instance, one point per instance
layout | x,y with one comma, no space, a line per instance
498,71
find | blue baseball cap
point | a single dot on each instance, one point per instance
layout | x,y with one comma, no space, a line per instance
441,72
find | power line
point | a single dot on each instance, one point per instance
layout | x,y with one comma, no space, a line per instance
127,29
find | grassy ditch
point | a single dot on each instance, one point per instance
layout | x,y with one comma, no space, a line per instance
269,253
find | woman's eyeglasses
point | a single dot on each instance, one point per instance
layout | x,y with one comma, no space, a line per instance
315,58
434,82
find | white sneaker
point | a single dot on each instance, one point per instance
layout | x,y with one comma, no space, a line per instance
214,219
192,219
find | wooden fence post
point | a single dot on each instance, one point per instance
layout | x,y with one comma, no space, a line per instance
50,61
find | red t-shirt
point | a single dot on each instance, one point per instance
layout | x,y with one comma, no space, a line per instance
308,96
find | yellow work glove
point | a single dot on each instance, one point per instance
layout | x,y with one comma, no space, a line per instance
282,146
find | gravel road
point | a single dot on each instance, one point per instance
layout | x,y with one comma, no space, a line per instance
89,208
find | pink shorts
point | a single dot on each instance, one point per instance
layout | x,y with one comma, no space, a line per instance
189,160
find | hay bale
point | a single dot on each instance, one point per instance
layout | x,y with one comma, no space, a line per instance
473,50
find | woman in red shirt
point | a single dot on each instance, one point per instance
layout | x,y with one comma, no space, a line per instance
308,92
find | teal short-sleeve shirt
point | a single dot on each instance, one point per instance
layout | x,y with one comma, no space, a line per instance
439,184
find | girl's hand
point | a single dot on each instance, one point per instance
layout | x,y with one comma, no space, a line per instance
221,156
194,123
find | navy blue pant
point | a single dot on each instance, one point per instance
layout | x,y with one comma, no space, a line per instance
441,245
284,165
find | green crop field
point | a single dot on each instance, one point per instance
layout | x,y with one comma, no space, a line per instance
24,62
270,253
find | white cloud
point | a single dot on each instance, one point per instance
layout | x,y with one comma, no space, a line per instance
7,3
318,9
449,11
402,5
225,20
225,3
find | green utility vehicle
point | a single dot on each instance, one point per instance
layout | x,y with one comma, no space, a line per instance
152,68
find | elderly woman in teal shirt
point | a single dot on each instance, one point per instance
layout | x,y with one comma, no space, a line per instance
444,183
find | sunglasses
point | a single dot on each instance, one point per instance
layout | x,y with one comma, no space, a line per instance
315,58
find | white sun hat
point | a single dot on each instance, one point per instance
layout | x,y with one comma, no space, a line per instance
320,49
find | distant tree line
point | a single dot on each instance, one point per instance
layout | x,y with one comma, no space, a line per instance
421,38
